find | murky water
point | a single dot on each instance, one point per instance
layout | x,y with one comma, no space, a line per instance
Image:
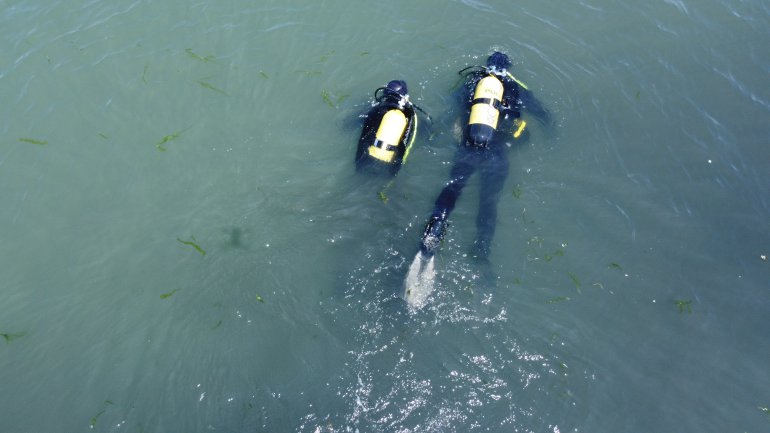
185,246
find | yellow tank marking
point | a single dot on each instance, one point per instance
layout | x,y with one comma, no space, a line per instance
411,142
521,125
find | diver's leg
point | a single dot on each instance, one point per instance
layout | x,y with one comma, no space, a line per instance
494,171
464,166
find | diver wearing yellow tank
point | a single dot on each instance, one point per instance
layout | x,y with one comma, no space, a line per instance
494,99
389,129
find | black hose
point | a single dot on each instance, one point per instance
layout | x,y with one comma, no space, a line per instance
430,119
385,90
478,68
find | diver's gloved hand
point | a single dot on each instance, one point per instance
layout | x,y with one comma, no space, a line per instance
432,235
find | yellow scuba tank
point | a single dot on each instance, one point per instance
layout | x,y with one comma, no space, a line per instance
388,136
485,111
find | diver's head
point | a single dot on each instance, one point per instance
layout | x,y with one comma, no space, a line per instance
398,86
498,63
396,92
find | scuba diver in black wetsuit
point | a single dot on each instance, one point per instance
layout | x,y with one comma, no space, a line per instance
495,99
389,129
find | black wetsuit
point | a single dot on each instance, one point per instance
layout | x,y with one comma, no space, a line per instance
490,159
369,131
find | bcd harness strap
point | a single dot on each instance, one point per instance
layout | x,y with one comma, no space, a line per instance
489,101
382,145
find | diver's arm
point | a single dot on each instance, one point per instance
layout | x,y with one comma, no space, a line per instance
424,120
368,126
534,107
